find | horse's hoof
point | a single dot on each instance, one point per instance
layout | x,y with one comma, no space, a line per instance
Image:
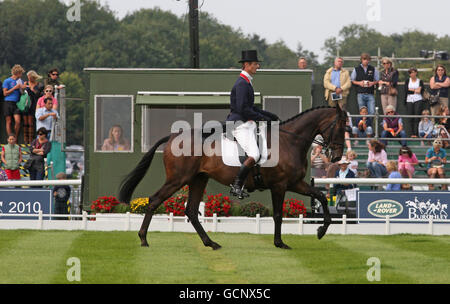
144,244
321,232
215,246
282,246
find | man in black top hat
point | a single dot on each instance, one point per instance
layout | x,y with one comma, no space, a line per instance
243,110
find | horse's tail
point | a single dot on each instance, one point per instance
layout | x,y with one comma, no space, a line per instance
131,181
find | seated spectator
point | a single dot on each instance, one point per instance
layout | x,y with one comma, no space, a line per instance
377,159
40,147
48,93
413,99
46,116
12,158
388,85
393,127
406,162
351,157
426,126
348,131
53,79
363,125
115,140
391,168
435,158
343,172
319,161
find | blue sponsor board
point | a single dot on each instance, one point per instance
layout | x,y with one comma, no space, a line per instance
25,201
412,205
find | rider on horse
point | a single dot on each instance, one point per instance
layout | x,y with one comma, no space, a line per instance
243,110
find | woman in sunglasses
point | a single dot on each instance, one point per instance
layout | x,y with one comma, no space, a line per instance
53,79
48,93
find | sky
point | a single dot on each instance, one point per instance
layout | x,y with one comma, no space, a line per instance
309,22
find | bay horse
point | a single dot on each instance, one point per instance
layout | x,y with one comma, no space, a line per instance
295,138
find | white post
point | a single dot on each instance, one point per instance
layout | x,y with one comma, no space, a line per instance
387,228
40,220
300,224
127,221
430,226
258,222
201,209
171,222
214,222
344,224
84,220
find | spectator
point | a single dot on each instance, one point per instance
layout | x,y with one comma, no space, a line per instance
435,158
319,161
337,84
363,125
439,84
406,162
391,168
343,172
388,85
12,158
377,159
61,193
393,127
348,131
35,91
48,93
46,116
442,126
53,79
40,147
116,140
426,126
351,157
414,88
365,77
11,90
302,63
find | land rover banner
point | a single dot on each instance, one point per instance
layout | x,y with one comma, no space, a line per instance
413,205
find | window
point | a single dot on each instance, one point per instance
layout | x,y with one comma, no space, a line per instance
113,123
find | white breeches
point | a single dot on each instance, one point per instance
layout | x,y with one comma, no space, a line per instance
246,137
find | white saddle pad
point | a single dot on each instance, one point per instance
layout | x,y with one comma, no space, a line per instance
231,151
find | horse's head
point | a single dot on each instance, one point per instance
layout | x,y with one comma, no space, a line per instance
332,130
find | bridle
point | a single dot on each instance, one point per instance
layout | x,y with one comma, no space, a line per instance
326,145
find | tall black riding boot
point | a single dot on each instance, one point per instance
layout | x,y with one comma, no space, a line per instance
237,188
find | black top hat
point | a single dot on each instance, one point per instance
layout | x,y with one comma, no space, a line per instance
249,56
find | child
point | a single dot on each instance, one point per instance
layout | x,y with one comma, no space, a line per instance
406,162
391,167
351,157
12,158
363,125
426,126
61,195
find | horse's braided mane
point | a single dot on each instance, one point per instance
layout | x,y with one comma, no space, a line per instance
307,111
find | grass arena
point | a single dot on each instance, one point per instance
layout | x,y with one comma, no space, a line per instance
178,258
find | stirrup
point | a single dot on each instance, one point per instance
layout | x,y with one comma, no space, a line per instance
239,192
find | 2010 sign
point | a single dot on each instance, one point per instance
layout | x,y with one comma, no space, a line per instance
25,201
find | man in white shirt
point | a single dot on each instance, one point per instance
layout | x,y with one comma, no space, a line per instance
46,116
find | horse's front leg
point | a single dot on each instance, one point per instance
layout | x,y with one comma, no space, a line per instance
277,203
305,189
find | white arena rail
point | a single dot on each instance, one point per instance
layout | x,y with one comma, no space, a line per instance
371,181
232,224
30,183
